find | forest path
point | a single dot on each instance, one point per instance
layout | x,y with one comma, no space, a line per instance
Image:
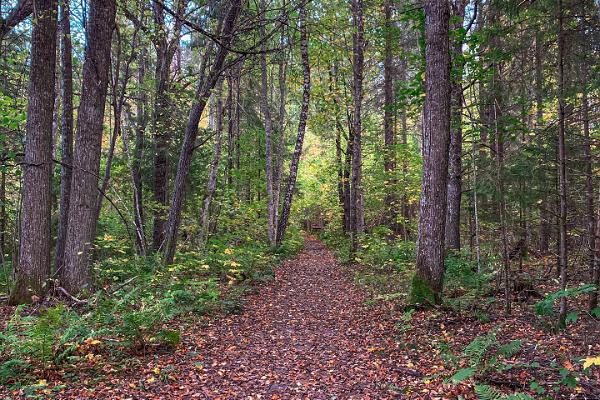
305,335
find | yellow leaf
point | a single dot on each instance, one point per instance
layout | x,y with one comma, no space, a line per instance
156,370
151,379
42,382
228,251
588,362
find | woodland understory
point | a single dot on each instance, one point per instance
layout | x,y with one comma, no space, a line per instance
300,199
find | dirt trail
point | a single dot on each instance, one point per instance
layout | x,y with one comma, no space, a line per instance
305,335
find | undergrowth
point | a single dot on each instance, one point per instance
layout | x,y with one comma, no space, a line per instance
135,303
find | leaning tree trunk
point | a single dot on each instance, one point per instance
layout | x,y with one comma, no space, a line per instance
428,281
287,202
203,91
75,275
33,269
66,131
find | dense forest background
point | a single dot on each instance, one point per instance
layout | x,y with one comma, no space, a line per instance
160,158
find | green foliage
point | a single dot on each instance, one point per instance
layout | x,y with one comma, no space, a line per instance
462,374
545,307
464,287
485,392
140,299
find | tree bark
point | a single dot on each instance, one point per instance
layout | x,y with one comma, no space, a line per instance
287,201
545,215
66,131
389,135
203,92
436,137
455,153
268,126
356,194
33,270
75,275
562,167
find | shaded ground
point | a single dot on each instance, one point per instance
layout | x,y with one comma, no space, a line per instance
312,333
306,334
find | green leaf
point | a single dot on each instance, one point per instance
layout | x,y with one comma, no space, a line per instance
462,374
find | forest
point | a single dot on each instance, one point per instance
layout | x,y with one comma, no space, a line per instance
300,199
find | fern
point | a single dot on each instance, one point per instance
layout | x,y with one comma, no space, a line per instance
511,348
476,350
486,392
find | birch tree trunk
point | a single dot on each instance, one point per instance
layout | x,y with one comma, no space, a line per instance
268,125
33,269
287,201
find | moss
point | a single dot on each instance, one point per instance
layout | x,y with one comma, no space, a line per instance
420,292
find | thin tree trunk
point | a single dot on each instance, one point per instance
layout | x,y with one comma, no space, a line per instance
136,163
287,202
428,282
33,269
356,209
214,167
66,131
545,215
389,136
75,275
165,51
268,124
562,166
280,146
455,153
203,91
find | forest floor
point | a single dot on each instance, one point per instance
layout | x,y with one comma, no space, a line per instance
313,333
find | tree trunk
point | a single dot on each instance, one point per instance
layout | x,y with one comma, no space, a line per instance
268,124
75,275
203,92
545,215
136,163
33,270
66,171
455,152
287,201
214,167
562,167
389,136
280,146
356,208
428,281
165,51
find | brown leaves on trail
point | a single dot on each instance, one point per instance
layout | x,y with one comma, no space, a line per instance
308,334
